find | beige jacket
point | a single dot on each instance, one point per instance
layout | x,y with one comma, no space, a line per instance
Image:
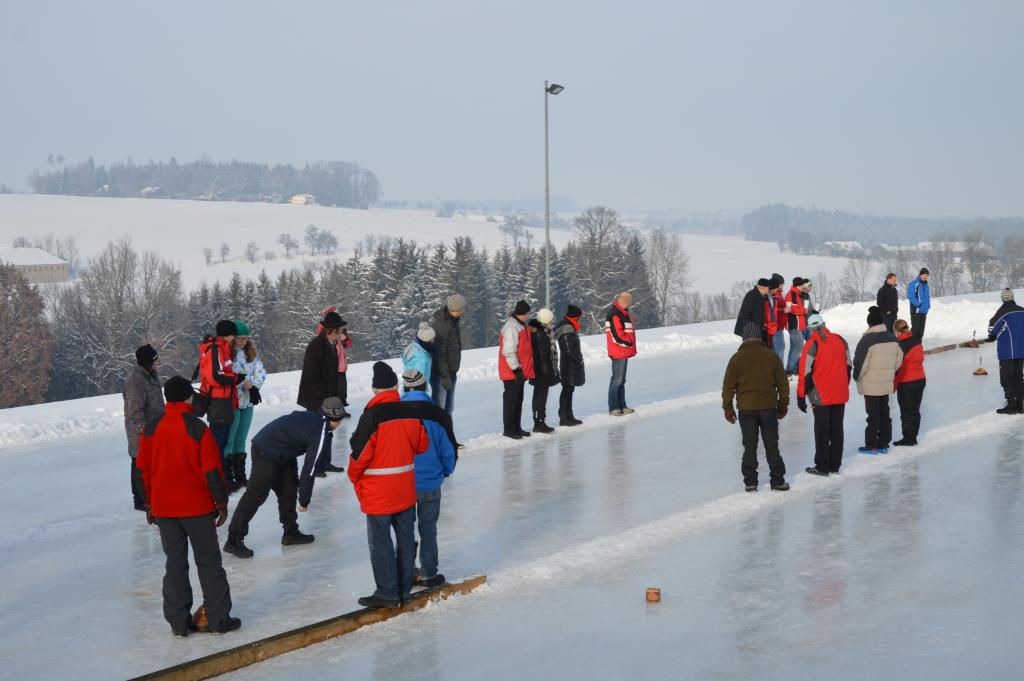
876,361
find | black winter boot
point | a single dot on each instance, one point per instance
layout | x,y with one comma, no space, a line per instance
1009,408
539,426
236,547
294,536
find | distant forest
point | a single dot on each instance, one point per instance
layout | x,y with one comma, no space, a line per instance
333,183
805,230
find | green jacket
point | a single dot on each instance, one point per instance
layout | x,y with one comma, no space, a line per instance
756,378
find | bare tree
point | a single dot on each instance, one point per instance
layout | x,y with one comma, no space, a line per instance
208,255
21,242
979,261
1013,261
289,243
225,251
824,292
944,265
514,228
312,238
251,250
269,255
854,283
668,266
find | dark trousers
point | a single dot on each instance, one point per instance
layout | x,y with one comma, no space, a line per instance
221,433
879,430
565,401
428,511
138,491
917,322
512,406
828,437
1011,377
540,401
343,387
392,566
765,422
909,396
175,535
889,318
268,474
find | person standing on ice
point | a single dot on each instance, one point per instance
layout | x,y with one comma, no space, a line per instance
219,382
447,352
275,452
419,355
320,376
920,298
143,400
621,339
877,359
756,378
515,368
888,301
545,367
910,382
1006,328
187,499
752,308
382,468
780,319
432,467
825,380
249,366
796,323
571,370
810,305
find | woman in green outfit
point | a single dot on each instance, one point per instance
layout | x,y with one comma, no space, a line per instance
247,363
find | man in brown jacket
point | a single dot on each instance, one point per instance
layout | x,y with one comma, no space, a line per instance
756,377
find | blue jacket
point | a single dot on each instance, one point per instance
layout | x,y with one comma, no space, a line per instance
438,462
417,357
919,296
1009,334
291,436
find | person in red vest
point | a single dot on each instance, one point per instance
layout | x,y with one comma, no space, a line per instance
515,368
796,320
621,338
779,318
910,382
389,435
825,369
186,497
218,381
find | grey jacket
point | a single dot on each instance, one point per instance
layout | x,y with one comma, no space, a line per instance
875,362
447,344
143,399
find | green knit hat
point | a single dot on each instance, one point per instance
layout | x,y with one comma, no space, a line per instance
243,328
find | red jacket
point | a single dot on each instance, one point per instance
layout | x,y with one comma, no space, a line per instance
781,316
797,311
912,368
216,371
180,465
384,448
620,334
515,329
827,360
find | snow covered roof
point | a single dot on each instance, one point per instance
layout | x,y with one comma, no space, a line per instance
28,256
845,245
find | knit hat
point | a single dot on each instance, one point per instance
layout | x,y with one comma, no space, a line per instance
1006,295
924,270
751,330
574,312
412,378
455,302
178,389
778,280
545,316
332,320
146,354
384,377
875,316
521,308
799,281
426,333
767,283
815,320
333,409
242,328
226,327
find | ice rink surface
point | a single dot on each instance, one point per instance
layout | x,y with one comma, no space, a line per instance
905,566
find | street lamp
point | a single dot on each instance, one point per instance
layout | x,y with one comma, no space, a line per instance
549,89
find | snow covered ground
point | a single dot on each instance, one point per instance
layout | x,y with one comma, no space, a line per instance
179,230
905,566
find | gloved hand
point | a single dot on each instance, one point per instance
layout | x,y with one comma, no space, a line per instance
801,404
520,378
446,383
254,396
222,515
150,518
781,412
730,416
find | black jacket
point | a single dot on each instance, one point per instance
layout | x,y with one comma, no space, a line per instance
545,367
319,378
447,345
752,310
301,433
888,300
570,355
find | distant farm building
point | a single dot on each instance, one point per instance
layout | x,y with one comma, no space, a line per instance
302,200
38,266
844,249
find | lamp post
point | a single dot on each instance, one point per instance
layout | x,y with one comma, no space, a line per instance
552,89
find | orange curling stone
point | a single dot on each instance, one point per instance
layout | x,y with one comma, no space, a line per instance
654,595
980,372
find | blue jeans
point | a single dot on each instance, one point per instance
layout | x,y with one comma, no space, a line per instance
806,334
428,510
796,346
779,345
392,571
444,398
617,386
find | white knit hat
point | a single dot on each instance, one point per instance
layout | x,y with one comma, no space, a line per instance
1006,295
426,332
545,316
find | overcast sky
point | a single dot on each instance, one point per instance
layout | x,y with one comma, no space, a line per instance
892,107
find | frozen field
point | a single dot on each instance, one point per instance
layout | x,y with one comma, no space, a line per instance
904,566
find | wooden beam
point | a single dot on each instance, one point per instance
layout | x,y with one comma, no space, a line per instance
263,649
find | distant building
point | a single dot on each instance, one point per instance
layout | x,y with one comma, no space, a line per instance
844,249
302,200
38,266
